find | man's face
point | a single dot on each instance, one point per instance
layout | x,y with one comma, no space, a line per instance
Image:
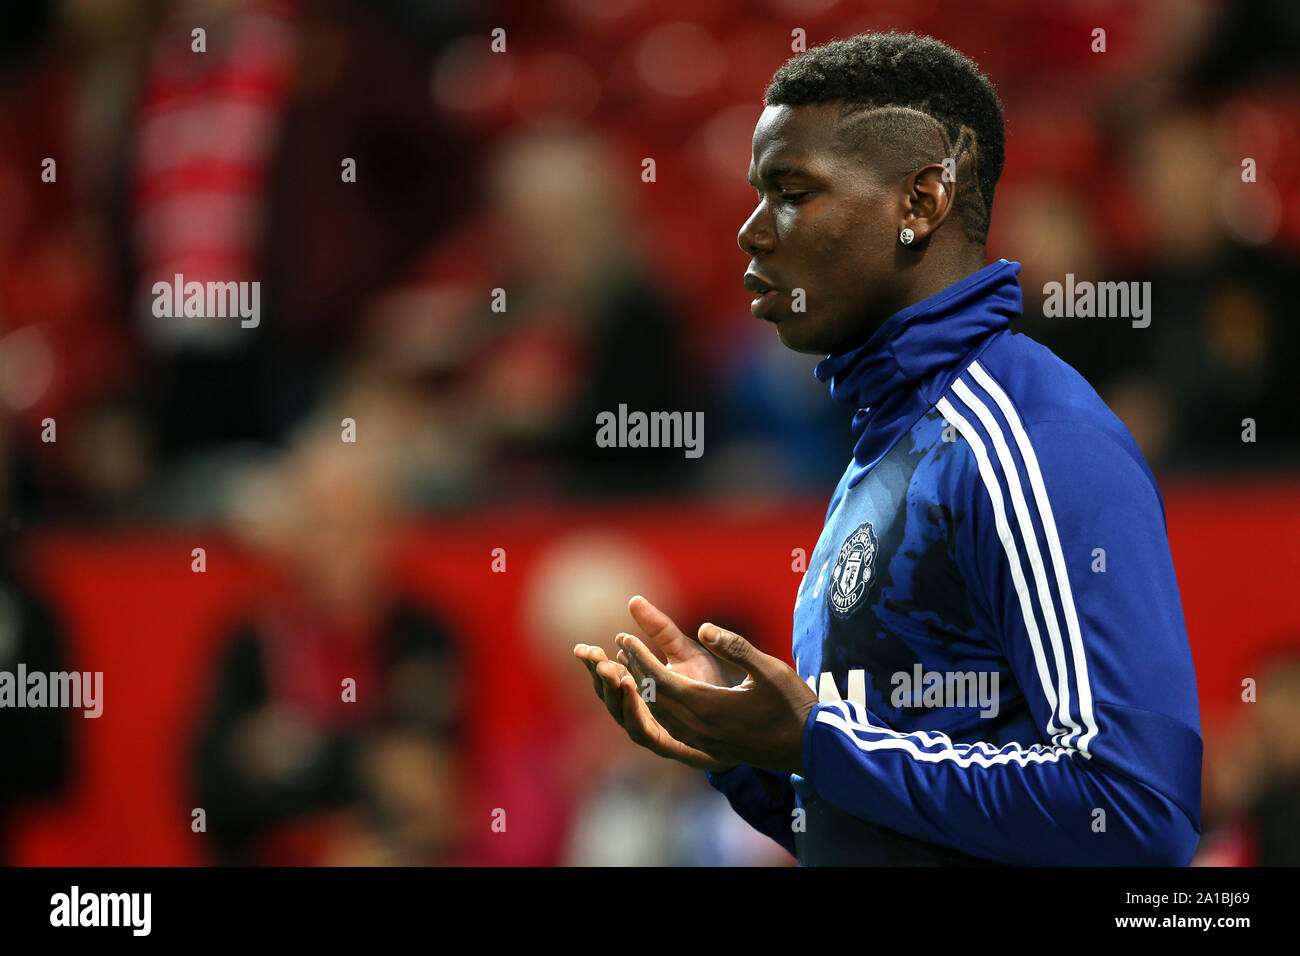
824,224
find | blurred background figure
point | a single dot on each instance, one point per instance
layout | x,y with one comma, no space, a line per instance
1219,350
1230,780
332,733
1275,810
1252,773
296,90
586,329
528,322
35,742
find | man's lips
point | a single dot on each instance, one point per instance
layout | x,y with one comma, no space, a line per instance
763,305
759,284
766,293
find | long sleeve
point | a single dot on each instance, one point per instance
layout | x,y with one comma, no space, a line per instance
1063,547
763,799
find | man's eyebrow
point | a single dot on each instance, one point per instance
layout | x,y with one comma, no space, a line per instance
778,171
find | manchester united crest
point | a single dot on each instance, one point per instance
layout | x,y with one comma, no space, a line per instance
853,570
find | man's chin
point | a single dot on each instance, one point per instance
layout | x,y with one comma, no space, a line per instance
795,335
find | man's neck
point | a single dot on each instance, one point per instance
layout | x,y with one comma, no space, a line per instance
943,274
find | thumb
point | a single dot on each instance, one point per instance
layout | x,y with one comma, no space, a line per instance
731,647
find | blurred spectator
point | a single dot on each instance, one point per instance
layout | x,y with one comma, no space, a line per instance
293,767
35,742
1230,780
577,328
1220,348
1251,794
1275,811
292,89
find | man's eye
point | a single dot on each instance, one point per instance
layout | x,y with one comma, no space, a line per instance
794,198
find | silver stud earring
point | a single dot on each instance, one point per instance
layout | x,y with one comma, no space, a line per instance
906,237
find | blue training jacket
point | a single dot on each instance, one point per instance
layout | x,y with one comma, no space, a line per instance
990,617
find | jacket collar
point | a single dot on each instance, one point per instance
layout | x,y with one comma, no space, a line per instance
910,360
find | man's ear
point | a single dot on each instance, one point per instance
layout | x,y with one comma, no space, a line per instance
931,195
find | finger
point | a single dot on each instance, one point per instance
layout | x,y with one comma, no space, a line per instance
731,647
604,678
671,698
638,721
609,675
659,628
590,652
644,681
626,660
601,686
591,657
610,672
639,678
645,730
594,655
642,663
731,674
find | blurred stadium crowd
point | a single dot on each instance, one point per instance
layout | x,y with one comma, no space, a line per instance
522,170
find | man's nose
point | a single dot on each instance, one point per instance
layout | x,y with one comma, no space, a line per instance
756,235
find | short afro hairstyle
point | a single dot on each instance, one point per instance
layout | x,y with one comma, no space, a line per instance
909,96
